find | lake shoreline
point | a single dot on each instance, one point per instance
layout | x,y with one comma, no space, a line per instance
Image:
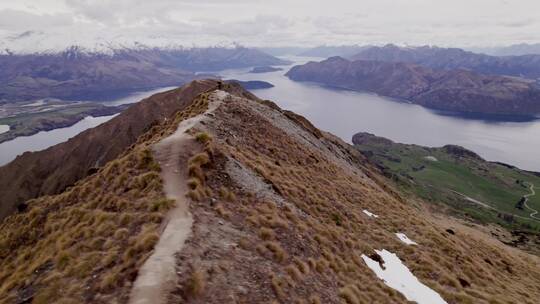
488,117
344,112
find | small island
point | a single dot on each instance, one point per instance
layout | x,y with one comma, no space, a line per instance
264,69
253,84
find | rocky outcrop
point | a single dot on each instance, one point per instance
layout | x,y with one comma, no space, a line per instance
459,151
363,137
455,90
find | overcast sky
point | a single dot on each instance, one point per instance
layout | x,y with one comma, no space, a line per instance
271,22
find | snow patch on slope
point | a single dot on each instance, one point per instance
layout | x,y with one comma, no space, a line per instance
405,239
370,214
397,276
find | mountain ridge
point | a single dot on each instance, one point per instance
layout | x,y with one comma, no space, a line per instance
278,212
452,58
74,74
49,171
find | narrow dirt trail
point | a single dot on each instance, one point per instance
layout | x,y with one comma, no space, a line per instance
157,275
534,211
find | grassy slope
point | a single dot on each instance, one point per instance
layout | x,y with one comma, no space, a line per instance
498,186
277,209
86,244
291,198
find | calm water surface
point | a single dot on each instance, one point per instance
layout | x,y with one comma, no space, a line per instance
344,113
44,139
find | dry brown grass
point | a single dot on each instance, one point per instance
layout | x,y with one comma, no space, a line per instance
315,235
196,283
274,248
227,195
301,244
203,137
67,235
293,271
266,234
85,245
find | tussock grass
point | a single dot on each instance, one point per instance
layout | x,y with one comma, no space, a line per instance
319,225
195,285
349,295
161,205
221,211
200,159
197,181
274,248
227,195
294,272
314,299
91,238
195,195
203,137
266,233
277,286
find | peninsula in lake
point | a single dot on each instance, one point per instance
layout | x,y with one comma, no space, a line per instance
458,90
264,69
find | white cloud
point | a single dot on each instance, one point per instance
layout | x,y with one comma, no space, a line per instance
275,23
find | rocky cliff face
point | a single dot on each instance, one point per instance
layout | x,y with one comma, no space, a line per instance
282,213
454,90
453,58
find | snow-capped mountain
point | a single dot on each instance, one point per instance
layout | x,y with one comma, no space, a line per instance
34,66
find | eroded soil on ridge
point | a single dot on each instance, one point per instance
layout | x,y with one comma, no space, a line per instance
157,276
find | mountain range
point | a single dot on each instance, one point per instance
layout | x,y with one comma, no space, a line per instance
527,66
76,74
457,90
326,51
511,50
208,194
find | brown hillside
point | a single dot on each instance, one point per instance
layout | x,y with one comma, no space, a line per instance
288,225
278,218
86,244
50,171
